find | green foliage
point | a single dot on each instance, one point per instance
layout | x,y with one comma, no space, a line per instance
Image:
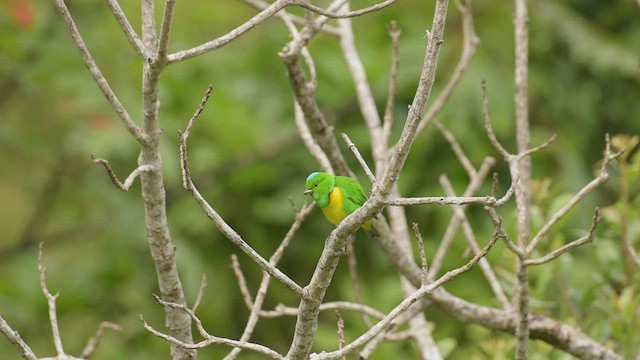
248,162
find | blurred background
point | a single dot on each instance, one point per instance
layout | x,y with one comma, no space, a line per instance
248,161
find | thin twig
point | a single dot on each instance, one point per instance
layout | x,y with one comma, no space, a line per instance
260,18
422,95
99,78
360,159
311,28
165,30
315,119
51,301
473,244
217,220
183,138
230,36
128,30
93,342
114,178
242,281
497,222
261,5
487,124
364,94
312,146
542,146
208,339
353,276
387,122
256,307
469,46
423,255
200,296
282,310
457,149
16,340
583,240
342,15
450,232
593,184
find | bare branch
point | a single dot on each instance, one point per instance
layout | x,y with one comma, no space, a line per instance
260,18
256,306
457,149
473,186
93,342
497,222
542,146
312,146
469,46
487,124
450,200
364,94
261,5
242,282
16,340
422,95
230,36
149,36
165,30
128,31
320,129
423,255
114,178
99,78
394,34
200,296
360,159
523,189
562,336
208,339
184,164
311,28
217,220
353,275
593,184
342,15
51,301
282,310
404,305
583,240
340,332
473,244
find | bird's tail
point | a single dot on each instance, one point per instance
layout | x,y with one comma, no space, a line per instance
372,234
370,230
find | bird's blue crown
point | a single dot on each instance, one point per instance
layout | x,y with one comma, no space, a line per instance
311,176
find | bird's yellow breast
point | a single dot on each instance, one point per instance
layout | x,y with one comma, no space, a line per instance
334,212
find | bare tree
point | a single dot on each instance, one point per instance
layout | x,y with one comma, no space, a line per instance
422,287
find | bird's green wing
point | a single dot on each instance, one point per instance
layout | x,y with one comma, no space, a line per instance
353,195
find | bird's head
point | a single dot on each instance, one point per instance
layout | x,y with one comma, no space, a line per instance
319,185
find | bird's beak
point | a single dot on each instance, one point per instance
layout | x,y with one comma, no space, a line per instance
307,192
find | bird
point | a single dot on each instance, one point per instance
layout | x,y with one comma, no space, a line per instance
337,197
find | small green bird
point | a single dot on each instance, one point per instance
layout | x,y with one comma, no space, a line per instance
337,197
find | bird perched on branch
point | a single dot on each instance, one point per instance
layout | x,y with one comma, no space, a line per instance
337,197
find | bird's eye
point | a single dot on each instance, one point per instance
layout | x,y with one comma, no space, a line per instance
315,185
